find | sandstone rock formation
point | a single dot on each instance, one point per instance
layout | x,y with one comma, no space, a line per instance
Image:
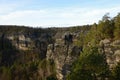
112,51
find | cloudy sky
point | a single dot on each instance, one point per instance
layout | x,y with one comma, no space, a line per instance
55,13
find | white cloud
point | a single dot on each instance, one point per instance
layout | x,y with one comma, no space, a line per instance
53,17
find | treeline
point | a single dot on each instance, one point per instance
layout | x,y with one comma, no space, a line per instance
106,28
25,30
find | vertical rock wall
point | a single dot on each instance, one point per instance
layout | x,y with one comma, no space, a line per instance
62,58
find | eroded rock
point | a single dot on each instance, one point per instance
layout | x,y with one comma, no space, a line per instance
62,58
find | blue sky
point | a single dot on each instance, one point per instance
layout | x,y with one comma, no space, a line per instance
55,13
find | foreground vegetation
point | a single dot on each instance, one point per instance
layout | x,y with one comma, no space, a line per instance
92,64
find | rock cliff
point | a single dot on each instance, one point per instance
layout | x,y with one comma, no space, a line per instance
112,51
63,57
51,47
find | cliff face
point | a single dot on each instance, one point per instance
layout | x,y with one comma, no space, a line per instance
112,51
63,57
50,47
31,42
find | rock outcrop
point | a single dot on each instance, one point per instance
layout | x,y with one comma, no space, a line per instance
63,58
112,51
32,42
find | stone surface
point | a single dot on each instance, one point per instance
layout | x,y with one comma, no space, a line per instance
62,58
112,51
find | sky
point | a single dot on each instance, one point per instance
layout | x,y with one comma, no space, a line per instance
55,13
